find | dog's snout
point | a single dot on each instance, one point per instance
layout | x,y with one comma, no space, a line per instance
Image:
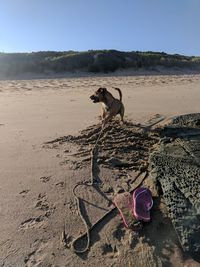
94,98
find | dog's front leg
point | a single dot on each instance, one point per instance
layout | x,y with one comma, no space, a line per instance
103,114
107,119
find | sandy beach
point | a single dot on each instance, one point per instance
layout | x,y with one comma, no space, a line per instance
36,200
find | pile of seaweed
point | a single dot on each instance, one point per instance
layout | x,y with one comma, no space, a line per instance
176,167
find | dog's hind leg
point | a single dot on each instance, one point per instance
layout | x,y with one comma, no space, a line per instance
121,113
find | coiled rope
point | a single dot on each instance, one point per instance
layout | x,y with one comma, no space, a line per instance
92,182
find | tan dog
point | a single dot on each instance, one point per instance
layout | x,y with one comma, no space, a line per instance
110,105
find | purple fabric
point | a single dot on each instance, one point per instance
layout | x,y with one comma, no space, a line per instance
142,203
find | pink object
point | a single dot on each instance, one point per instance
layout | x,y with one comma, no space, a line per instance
134,207
142,203
123,202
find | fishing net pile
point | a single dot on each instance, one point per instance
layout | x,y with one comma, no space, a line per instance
176,167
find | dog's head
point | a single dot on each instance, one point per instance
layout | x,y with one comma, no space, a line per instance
99,95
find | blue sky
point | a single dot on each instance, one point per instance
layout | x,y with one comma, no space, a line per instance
172,26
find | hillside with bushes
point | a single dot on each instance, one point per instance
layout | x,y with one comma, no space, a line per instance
93,61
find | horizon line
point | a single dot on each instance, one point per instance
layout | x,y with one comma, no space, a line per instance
90,50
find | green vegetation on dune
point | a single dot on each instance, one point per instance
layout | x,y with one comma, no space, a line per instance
95,61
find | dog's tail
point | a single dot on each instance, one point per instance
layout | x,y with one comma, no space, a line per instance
120,93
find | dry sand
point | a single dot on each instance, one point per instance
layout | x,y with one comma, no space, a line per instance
36,198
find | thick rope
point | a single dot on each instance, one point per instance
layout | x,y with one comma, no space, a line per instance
92,182
88,229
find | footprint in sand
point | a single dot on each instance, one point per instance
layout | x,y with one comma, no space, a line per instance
43,205
37,256
24,192
60,184
45,179
37,222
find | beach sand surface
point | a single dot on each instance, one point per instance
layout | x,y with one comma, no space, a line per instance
36,180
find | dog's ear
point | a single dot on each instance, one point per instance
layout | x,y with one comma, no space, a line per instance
102,90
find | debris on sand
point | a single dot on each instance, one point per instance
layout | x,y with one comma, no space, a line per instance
176,167
123,150
124,146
